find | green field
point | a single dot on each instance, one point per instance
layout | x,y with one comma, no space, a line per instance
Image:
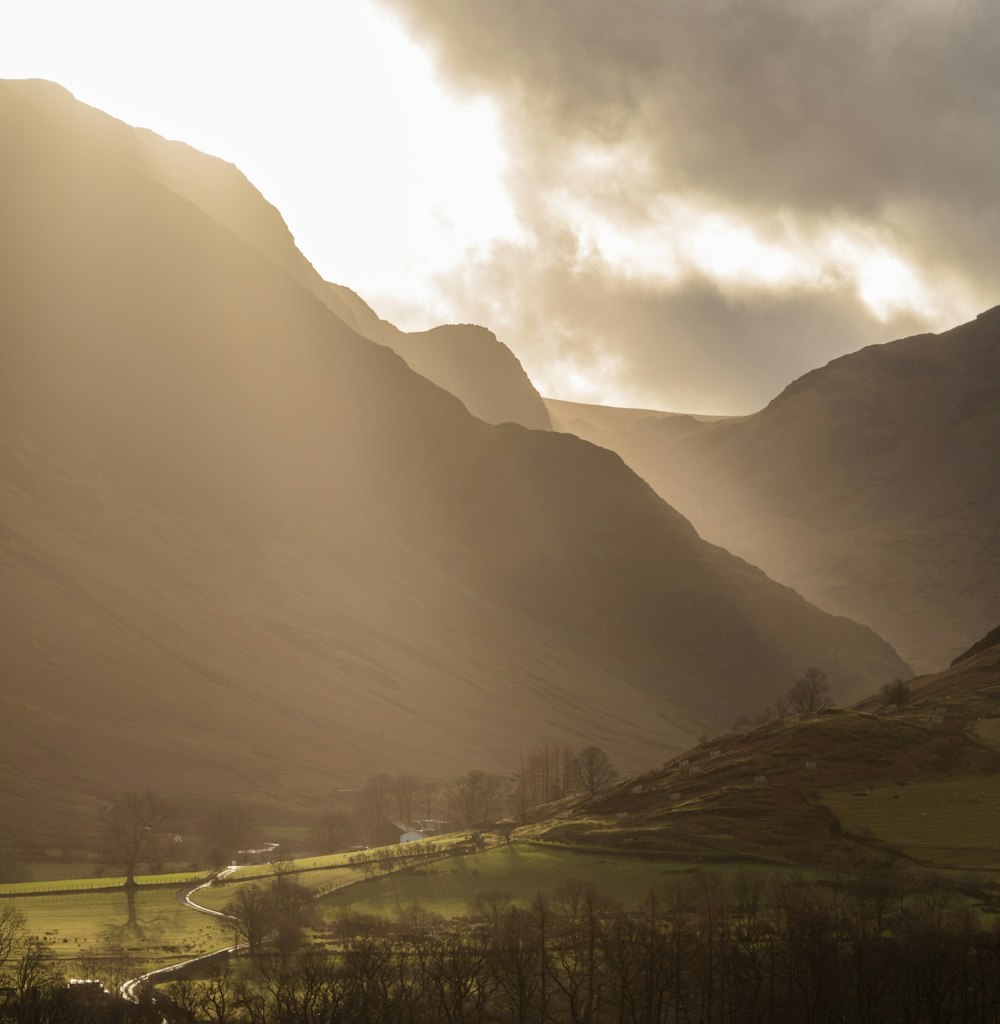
521,870
112,882
988,730
164,931
216,896
952,821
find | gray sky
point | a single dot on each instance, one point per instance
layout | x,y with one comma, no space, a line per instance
718,195
680,204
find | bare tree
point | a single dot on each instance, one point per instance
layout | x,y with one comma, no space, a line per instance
11,933
36,970
228,827
505,829
334,830
130,830
896,692
404,788
475,798
372,804
252,912
426,792
811,693
781,705
594,769
112,963
290,906
547,773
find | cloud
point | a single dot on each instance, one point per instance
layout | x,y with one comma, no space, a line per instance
585,334
805,176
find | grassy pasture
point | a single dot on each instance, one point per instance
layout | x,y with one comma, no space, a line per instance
988,730
215,897
164,931
87,884
521,870
952,821
339,860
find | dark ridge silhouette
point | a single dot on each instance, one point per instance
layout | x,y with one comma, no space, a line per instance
246,549
468,361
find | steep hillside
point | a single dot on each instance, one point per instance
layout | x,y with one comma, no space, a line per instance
871,485
464,359
992,639
468,361
243,548
760,795
914,782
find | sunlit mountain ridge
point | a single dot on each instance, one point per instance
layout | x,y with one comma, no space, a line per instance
247,549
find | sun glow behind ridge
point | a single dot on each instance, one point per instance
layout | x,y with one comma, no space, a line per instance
384,178
397,186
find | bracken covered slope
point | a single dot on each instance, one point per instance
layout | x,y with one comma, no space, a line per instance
245,549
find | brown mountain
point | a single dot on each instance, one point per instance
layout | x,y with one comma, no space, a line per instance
464,359
992,639
244,548
871,486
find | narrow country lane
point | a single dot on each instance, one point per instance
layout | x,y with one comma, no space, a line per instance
132,989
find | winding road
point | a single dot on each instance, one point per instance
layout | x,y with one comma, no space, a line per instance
132,990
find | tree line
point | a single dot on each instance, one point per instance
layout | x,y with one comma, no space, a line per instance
811,694
867,949
546,773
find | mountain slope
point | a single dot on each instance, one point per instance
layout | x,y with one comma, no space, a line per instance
914,783
246,549
464,359
992,639
871,485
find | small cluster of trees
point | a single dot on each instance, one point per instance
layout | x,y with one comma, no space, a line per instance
808,695
136,831
555,770
228,827
897,692
276,913
866,950
387,859
384,797
33,989
134,827
811,694
547,773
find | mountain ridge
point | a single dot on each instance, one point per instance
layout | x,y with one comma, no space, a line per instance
242,543
869,485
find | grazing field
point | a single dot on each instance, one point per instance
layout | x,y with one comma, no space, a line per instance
952,821
266,871
335,860
163,931
988,730
215,897
87,884
521,870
